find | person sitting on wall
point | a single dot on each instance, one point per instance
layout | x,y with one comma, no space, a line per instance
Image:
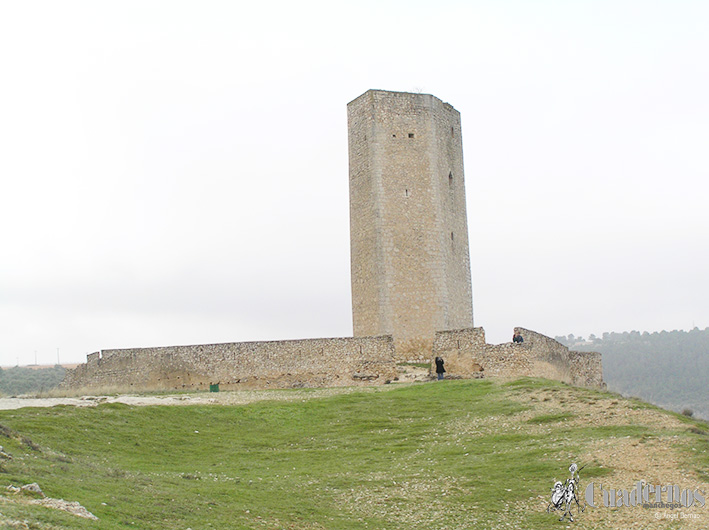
517,338
439,368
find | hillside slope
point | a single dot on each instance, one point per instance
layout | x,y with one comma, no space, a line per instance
454,455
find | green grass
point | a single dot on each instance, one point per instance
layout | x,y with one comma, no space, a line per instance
417,365
420,456
551,418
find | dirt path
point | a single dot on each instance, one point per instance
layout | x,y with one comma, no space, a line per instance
217,398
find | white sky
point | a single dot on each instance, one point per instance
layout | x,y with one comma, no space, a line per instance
176,172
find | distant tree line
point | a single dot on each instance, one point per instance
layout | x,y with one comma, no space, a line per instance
16,381
667,368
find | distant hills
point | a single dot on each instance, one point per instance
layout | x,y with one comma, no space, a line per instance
667,368
30,379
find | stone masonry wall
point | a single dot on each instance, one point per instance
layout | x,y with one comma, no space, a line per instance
466,354
550,356
273,364
328,362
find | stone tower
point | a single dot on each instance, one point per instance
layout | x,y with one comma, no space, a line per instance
410,261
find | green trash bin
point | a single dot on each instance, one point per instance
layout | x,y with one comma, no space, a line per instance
214,388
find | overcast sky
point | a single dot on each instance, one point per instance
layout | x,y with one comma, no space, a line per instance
177,173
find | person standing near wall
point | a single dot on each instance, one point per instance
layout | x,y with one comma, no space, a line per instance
439,368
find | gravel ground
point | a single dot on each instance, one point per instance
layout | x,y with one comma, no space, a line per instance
657,460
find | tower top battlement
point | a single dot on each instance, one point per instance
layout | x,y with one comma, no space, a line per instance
382,94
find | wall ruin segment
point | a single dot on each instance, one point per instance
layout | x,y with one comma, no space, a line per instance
271,364
329,362
466,354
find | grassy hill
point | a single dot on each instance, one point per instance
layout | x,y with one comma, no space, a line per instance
449,455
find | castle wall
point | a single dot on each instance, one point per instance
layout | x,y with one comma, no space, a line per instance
328,362
410,260
466,354
272,364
